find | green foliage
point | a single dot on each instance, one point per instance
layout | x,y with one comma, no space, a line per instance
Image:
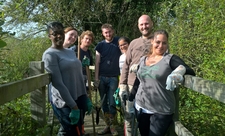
17,56
196,31
2,43
83,14
200,114
197,36
16,117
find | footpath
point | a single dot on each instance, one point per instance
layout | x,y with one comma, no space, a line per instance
88,126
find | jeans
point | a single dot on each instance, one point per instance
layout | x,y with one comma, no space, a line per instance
107,87
128,118
153,124
62,114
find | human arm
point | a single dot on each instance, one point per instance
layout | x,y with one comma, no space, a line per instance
126,66
175,61
91,58
179,69
51,61
134,89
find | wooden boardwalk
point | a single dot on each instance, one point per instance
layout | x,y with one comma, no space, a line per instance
88,126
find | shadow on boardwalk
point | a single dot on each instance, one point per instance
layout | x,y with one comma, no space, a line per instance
88,126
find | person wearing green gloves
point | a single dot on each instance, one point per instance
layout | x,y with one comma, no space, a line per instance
86,39
68,92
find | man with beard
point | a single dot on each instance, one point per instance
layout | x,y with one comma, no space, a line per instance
68,92
106,75
137,48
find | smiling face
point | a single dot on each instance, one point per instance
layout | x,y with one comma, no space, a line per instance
159,44
86,40
145,25
123,45
108,34
70,38
57,37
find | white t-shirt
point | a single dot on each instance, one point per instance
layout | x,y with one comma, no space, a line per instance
121,61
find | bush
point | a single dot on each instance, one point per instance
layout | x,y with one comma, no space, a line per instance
15,116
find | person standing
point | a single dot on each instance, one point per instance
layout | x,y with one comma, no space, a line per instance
68,93
154,85
69,40
137,48
86,39
123,45
71,35
106,75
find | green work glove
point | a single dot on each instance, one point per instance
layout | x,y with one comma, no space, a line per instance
74,116
89,105
85,61
117,97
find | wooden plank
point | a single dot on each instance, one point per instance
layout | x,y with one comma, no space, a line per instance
16,89
181,130
176,114
88,126
209,88
38,97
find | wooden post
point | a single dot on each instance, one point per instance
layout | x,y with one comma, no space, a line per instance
78,48
38,97
90,96
176,114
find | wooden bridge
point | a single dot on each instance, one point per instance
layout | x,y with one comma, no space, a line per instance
38,80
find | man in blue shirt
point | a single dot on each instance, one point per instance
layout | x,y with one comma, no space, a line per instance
106,75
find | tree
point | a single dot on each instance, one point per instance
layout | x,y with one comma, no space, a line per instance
82,14
2,43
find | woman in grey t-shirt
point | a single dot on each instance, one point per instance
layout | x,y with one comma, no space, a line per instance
155,104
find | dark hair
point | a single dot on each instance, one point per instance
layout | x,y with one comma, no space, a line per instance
125,39
163,32
54,26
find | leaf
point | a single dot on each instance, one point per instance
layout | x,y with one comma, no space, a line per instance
2,43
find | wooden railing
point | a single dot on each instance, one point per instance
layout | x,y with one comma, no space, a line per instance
36,85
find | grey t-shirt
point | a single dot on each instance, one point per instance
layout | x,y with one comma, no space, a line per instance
152,94
66,74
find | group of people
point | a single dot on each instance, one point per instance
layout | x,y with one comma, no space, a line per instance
143,70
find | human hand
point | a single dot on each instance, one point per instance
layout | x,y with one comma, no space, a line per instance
96,83
90,106
85,61
74,116
175,78
123,93
130,106
133,68
117,97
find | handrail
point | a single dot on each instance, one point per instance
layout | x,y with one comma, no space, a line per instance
13,90
209,88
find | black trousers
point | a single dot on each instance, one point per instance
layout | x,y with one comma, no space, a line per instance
153,124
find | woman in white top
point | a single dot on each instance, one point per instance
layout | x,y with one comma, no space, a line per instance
123,45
